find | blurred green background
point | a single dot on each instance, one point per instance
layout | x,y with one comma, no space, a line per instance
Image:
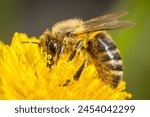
32,17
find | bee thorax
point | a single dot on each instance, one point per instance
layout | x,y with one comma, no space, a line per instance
64,28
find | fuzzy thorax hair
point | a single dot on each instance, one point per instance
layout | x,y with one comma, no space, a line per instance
62,28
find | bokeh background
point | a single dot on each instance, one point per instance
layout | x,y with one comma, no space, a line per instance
32,17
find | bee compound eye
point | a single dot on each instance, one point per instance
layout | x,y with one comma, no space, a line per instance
53,47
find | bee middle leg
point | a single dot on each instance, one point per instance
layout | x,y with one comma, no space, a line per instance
73,53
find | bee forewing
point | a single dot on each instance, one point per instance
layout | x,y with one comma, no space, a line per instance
106,18
105,26
118,25
105,22
111,26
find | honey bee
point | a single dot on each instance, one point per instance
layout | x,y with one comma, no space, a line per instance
65,37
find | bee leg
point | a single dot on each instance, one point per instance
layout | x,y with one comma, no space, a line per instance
79,71
73,53
67,82
50,62
60,51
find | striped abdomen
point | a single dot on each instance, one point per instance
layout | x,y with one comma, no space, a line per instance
106,58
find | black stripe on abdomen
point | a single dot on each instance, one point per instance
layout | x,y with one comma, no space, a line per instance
116,80
105,44
115,67
108,48
110,55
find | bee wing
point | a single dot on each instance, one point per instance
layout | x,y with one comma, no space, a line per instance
106,18
106,22
105,26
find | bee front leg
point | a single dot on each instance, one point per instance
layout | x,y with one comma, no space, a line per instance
59,53
50,61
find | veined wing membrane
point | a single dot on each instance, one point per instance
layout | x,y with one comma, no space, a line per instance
105,18
105,26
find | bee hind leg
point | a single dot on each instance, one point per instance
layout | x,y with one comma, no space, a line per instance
79,71
73,53
67,83
77,74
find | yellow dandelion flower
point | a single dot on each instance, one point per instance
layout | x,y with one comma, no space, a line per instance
24,75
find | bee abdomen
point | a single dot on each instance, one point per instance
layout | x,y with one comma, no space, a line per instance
106,58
